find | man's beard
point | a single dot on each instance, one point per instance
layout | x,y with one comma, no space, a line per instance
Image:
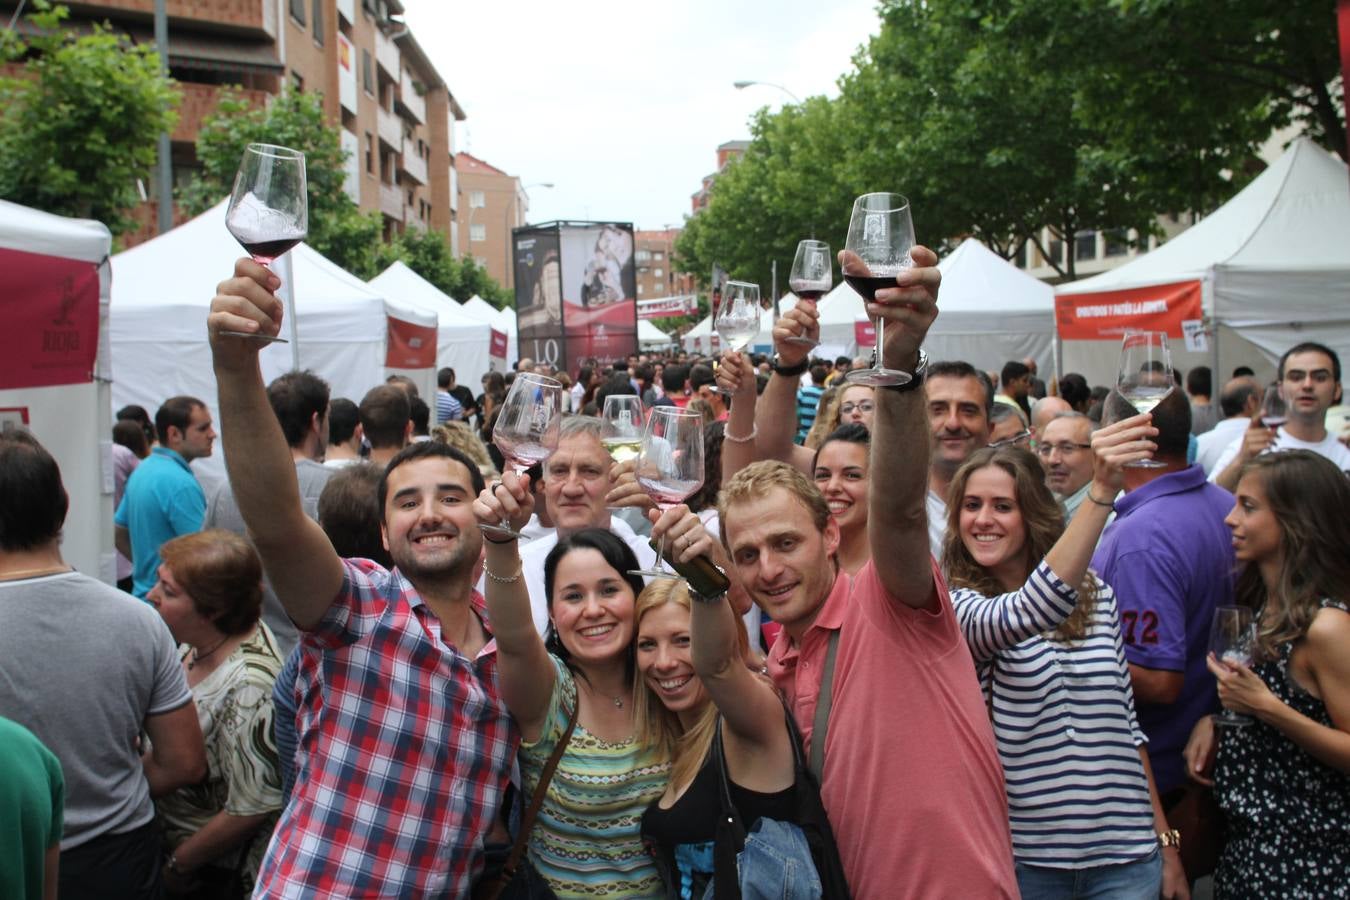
460,559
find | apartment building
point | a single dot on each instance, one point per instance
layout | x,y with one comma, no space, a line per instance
725,154
395,113
491,204
656,276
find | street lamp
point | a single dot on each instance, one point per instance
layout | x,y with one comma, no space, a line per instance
742,85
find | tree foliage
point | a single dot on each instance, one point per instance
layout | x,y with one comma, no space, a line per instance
428,254
80,121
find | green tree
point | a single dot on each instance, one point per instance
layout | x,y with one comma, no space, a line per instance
80,120
428,254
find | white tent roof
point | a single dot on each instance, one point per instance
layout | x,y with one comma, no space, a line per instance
648,333
461,339
480,309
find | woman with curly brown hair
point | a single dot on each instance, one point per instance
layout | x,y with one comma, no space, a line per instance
1045,634
1283,781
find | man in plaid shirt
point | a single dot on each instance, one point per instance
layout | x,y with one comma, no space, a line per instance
405,744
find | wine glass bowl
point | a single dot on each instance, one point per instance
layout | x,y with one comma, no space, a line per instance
880,236
670,466
738,316
527,429
1145,376
1231,640
1274,409
622,426
811,277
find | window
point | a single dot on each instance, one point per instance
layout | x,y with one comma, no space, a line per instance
367,81
639,290
318,22
298,11
1056,251
478,232
658,274
410,198
297,82
643,256
1020,257
477,200
480,262
1117,243
1085,245
658,256
370,154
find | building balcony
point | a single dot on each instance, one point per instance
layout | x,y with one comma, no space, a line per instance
391,201
256,16
413,165
387,56
199,101
390,128
410,102
412,221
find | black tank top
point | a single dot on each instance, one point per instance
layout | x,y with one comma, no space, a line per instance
693,818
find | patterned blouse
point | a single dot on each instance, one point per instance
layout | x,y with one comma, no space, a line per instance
234,707
586,840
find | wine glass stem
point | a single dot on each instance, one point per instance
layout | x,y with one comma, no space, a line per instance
877,351
661,555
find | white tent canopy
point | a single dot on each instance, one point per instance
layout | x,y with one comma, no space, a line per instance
505,320
651,336
480,309
462,339
1273,260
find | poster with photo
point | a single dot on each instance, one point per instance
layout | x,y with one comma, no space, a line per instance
539,313
599,292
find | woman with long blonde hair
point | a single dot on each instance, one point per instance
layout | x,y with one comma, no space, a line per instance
1283,781
1045,634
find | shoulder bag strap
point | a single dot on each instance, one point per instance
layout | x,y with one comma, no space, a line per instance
730,831
820,723
537,799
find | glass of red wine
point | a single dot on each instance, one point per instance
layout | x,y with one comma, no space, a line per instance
269,208
527,429
1274,410
880,236
811,278
670,466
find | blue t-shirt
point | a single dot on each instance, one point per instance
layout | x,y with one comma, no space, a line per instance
1170,559
162,500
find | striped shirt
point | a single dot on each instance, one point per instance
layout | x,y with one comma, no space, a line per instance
448,409
1064,720
808,399
586,841
405,751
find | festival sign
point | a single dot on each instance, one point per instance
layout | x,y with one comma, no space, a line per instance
865,333
497,344
665,307
410,346
1106,315
50,310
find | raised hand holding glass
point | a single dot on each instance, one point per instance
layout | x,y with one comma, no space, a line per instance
880,236
811,278
527,429
670,465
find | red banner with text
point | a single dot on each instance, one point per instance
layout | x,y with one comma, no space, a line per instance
666,307
497,344
1106,315
49,307
865,333
411,346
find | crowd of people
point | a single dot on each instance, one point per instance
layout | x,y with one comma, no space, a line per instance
950,638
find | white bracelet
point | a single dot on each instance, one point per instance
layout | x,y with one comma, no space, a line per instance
728,436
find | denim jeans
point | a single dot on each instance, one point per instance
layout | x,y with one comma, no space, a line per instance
1140,880
776,864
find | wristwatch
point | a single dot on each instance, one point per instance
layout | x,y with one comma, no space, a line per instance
789,371
1170,839
916,379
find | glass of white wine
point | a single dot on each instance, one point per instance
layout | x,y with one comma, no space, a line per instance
1231,640
738,317
1145,376
621,431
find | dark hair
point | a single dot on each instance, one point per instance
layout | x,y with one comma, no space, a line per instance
645,373
616,385
342,420
819,373
617,555
33,501
713,435
405,384
421,450
445,377
851,433
420,414
1313,347
222,574
350,513
959,369
385,411
1199,381
1012,371
842,362
1172,418
296,398
673,379
1233,400
700,375
176,412
1074,390
1240,371
129,434
138,415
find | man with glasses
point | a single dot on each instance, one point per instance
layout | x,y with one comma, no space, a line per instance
1008,427
1065,449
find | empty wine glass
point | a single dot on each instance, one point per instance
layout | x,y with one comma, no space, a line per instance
670,466
621,431
811,278
880,236
1145,376
1230,640
269,207
527,429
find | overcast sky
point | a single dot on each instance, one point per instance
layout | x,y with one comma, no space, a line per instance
621,105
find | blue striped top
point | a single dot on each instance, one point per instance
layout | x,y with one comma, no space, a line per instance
1064,720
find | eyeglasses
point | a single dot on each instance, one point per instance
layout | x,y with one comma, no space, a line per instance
1065,449
862,406
1020,438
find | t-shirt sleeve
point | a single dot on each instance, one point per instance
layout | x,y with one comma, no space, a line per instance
169,690
357,607
991,624
1150,591
248,752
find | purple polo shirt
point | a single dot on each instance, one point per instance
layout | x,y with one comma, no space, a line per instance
1169,558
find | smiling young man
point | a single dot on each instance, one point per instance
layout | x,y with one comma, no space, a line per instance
405,744
910,777
1310,379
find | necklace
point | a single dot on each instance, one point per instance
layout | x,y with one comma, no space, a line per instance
198,656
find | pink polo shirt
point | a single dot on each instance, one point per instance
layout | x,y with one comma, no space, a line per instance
912,781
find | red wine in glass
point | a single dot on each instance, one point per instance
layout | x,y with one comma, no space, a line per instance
868,285
265,251
808,293
811,277
666,493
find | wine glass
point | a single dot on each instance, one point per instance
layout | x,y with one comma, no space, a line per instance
670,465
1230,640
1145,376
527,429
621,431
269,208
1274,411
811,278
880,235
738,316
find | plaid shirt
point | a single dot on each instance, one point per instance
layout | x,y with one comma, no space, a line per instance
405,752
